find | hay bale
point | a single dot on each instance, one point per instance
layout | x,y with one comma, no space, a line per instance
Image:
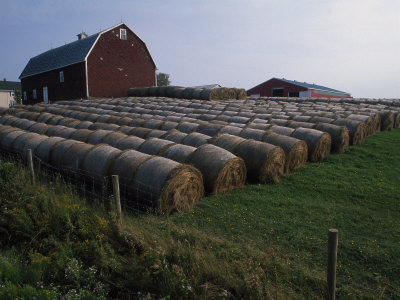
156,133
57,152
209,129
53,130
240,94
196,139
296,124
170,90
44,117
10,120
318,142
155,146
152,91
65,121
175,136
136,122
130,143
387,120
300,118
226,141
339,134
113,138
167,185
368,120
8,136
168,125
210,94
81,135
357,130
54,120
279,122
32,143
187,127
98,161
259,126
239,120
316,119
282,130
123,121
140,132
222,171
66,132
187,93
233,130
296,150
84,125
73,124
153,124
43,150
4,118
178,152
255,134
39,128
73,158
134,92
396,123
19,143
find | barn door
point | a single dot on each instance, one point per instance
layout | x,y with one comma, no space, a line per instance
45,95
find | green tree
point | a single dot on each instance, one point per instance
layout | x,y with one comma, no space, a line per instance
163,79
17,96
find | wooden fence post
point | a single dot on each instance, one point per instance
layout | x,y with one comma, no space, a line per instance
332,261
30,162
117,197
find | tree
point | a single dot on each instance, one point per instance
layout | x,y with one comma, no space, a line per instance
163,79
17,96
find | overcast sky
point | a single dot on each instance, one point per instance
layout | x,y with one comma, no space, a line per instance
349,45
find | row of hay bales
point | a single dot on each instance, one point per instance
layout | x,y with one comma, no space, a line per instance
268,167
221,170
149,180
178,92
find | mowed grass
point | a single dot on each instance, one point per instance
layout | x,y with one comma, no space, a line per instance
256,242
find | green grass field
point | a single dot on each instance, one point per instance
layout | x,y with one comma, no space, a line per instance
256,242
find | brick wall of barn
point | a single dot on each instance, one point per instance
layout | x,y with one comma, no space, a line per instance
265,89
73,87
115,65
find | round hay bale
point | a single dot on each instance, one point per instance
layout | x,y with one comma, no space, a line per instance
339,134
167,185
357,130
210,94
196,139
96,137
74,114
82,116
93,117
19,143
239,119
26,124
296,150
206,117
81,135
241,94
316,119
54,120
113,138
387,120
136,122
123,121
178,152
187,93
197,94
153,124
140,132
259,126
33,116
72,159
4,118
282,130
72,124
84,125
10,120
301,118
152,91
39,128
43,150
279,122
175,136
255,134
154,146
156,133
44,117
57,152
97,125
222,117
187,127
396,123
134,92
318,142
66,132
368,120
178,93
233,130
296,124
168,125
53,130
113,120
130,143
209,129
98,161
32,143
265,163
65,121
226,141
103,119
126,129
19,122
222,171
170,90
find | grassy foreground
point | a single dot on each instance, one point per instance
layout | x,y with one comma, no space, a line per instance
256,242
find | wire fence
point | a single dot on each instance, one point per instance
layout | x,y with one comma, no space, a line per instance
138,199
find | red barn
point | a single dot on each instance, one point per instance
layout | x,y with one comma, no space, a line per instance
277,87
105,64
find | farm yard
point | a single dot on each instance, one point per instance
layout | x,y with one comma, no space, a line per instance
276,175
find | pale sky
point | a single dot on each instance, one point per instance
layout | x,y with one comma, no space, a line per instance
349,45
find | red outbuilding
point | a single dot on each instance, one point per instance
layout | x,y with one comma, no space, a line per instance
277,87
105,64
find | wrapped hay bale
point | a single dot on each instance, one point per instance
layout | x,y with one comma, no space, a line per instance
160,183
93,117
396,115
222,171
32,143
123,121
44,117
134,92
178,152
153,124
387,120
209,129
130,143
153,91
339,134
178,93
54,120
301,118
73,124
140,132
316,119
175,136
81,135
73,158
4,118
66,132
318,142
296,124
255,134
155,146
84,125
239,119
279,122
233,130
296,150
113,138
57,152
210,94
43,150
19,143
241,94
39,128
259,126
156,133
26,124
98,161
187,127
197,94
170,90
282,130
357,130
168,125
187,93
9,121
226,141
8,137
66,121
368,120
33,116
196,139
54,130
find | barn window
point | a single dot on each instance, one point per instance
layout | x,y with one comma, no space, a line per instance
34,94
25,95
122,34
61,76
